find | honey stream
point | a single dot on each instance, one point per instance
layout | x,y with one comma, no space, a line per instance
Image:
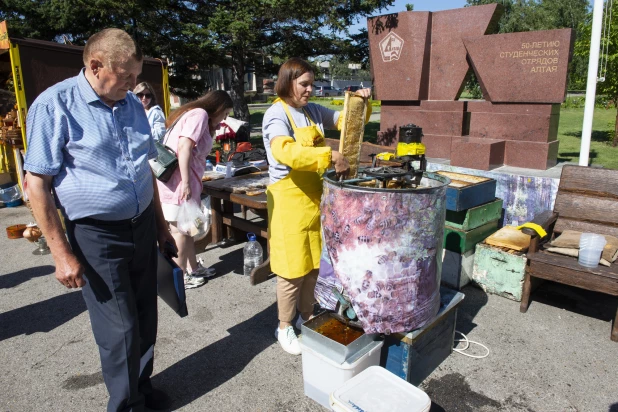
339,332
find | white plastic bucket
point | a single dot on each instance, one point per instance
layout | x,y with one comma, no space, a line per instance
322,375
590,248
378,390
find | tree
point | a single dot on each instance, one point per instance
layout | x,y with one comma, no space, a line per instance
197,34
609,86
530,15
283,28
162,28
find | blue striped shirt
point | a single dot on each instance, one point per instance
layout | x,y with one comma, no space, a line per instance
97,155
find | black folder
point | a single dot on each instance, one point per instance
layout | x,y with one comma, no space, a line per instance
171,285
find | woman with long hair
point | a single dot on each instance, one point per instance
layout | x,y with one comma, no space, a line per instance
190,133
293,131
156,118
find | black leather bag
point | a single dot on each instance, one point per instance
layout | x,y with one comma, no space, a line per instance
166,162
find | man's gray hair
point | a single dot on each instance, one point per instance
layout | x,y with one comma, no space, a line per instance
113,46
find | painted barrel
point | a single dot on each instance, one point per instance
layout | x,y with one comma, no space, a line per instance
383,248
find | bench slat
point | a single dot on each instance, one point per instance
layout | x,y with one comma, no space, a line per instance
577,206
585,227
602,182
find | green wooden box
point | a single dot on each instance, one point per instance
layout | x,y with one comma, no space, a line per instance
460,241
499,272
476,216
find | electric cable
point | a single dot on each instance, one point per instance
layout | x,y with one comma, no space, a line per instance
468,342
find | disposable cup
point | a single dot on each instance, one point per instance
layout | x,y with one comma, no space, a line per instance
590,248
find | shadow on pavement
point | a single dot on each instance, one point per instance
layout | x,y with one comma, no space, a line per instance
16,278
474,300
212,366
583,302
43,316
230,262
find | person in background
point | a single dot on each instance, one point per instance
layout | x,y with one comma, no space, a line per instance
156,117
191,138
89,142
293,132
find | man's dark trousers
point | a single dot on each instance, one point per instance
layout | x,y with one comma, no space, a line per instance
120,259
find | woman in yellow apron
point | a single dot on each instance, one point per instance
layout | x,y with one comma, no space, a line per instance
293,131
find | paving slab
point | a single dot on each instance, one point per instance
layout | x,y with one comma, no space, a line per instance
224,357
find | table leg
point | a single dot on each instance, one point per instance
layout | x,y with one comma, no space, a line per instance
232,233
216,220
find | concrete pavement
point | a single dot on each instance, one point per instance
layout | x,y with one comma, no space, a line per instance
224,357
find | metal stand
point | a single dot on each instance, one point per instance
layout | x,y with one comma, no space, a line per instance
43,248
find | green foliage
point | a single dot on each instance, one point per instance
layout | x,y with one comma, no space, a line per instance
409,7
197,34
601,102
529,15
608,87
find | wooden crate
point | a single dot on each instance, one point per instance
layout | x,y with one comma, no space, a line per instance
457,268
476,216
414,355
467,191
499,271
461,241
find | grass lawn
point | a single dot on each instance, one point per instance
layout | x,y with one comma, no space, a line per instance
569,134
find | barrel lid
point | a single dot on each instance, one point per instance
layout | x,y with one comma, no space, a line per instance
378,390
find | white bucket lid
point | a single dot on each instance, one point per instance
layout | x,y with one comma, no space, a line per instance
375,389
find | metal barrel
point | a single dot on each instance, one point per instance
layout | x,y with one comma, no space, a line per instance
385,249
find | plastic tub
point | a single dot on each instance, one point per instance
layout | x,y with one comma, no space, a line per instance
322,376
590,248
378,390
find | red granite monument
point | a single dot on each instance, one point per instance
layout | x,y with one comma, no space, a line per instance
420,62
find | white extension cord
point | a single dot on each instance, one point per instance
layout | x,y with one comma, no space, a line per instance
468,342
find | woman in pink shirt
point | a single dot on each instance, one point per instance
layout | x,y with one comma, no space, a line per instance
191,138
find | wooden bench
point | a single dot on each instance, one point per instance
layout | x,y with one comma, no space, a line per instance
587,201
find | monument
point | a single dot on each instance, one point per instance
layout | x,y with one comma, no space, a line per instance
420,62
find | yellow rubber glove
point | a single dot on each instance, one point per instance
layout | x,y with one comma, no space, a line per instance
306,159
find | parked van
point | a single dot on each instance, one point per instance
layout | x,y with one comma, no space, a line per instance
325,91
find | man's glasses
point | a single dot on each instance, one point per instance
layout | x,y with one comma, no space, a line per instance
142,95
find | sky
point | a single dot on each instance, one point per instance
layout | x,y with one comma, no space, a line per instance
419,5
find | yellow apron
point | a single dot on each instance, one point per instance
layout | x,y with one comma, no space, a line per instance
294,212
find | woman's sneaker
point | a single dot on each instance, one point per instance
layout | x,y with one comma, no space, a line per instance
193,281
288,340
203,272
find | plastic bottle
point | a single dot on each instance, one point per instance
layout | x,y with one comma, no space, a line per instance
252,253
209,166
228,170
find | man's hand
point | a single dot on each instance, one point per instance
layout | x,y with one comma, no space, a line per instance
166,242
69,271
342,167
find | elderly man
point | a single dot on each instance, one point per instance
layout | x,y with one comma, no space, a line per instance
89,143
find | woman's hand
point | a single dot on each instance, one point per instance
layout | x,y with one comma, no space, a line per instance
366,93
342,167
185,192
